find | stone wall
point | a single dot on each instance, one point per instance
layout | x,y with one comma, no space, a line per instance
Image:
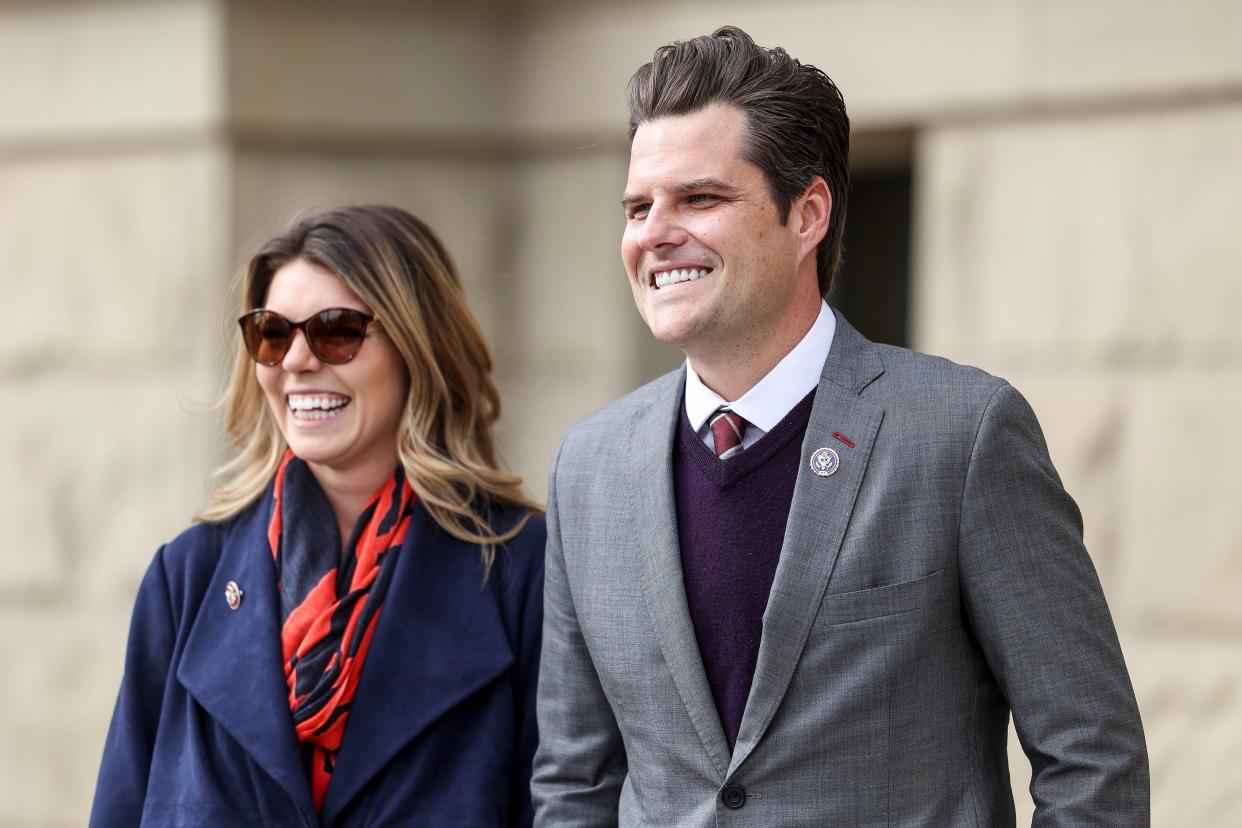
1077,164
1092,261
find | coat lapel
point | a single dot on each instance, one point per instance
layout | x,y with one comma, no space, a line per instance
231,661
440,638
818,516
659,557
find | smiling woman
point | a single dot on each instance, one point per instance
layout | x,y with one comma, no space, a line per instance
363,521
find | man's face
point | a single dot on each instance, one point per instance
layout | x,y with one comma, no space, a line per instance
711,266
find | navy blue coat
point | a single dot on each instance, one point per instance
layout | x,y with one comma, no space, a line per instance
442,730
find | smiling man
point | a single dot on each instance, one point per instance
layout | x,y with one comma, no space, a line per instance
806,579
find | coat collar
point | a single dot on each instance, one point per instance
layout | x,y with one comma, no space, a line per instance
231,663
818,516
416,670
440,638
659,558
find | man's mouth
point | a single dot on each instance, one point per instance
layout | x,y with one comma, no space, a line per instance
316,406
664,278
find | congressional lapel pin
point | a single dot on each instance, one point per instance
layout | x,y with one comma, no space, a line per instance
824,461
233,595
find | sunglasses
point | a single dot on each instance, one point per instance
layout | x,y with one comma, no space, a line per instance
333,335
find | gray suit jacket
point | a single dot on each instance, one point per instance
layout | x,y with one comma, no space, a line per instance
934,583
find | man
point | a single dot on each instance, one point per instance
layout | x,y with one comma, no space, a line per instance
805,580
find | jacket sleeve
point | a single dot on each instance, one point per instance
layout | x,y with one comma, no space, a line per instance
1037,609
121,789
580,764
531,612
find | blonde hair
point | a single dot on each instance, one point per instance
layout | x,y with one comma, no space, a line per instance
398,267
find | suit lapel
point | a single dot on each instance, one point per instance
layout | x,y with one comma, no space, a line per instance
659,557
231,661
818,517
440,638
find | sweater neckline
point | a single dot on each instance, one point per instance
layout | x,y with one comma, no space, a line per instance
725,473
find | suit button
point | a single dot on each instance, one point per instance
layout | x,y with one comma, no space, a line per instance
733,796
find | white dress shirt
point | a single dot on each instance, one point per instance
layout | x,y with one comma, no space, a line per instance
774,396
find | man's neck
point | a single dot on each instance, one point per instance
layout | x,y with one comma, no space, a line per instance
734,369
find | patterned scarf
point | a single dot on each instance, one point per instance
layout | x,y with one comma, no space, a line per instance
330,602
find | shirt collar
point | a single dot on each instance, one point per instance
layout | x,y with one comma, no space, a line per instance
774,396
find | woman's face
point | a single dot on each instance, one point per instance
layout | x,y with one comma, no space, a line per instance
340,418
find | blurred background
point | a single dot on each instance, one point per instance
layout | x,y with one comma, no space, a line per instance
1048,189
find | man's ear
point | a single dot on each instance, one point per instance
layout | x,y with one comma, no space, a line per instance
811,212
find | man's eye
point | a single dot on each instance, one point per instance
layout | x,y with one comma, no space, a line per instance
638,211
701,198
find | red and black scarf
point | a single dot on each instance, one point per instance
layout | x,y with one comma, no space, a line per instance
330,601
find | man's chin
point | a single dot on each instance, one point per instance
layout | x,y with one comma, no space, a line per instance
673,326
677,334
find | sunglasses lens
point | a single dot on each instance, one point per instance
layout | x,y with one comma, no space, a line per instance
336,334
267,336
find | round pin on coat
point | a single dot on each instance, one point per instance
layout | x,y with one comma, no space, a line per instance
233,595
824,461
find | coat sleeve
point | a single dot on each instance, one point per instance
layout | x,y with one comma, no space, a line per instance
581,764
121,789
531,612
1037,609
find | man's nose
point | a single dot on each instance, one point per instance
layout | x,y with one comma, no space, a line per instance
661,227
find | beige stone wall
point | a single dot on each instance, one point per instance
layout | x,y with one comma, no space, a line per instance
1093,261
113,200
1078,168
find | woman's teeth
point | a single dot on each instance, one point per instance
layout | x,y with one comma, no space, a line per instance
316,408
687,274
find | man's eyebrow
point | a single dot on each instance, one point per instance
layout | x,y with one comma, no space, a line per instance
693,185
707,184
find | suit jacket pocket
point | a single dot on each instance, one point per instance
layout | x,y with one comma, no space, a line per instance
877,602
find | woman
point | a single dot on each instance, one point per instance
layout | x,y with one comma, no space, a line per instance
350,635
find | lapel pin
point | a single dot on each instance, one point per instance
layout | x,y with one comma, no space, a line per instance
842,438
824,461
233,595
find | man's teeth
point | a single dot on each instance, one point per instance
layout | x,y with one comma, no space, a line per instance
688,274
316,408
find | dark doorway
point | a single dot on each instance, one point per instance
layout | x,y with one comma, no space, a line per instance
872,288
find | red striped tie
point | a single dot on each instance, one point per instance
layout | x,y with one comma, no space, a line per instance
727,430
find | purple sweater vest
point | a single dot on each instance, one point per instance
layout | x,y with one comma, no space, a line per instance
731,517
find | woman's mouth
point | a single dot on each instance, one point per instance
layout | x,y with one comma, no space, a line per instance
313,407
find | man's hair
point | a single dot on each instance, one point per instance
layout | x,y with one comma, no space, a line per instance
796,123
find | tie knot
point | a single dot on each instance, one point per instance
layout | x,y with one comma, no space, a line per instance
727,430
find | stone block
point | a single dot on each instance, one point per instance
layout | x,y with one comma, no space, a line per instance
888,71
1121,48
99,473
112,263
423,67
466,202
109,68
1180,478
575,300
1107,240
55,707
539,409
1189,689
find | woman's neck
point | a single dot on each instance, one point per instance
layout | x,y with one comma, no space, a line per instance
349,492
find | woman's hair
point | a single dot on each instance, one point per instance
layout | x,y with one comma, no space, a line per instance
402,272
